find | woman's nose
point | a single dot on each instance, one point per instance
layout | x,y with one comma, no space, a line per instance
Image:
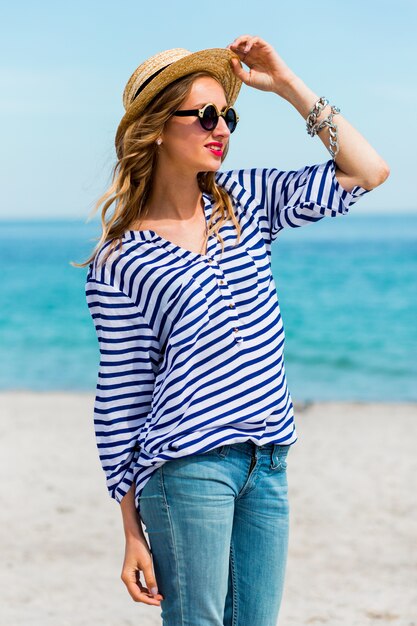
222,128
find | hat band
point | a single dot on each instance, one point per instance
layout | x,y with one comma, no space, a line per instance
148,80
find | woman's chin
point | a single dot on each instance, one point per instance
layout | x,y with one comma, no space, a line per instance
213,165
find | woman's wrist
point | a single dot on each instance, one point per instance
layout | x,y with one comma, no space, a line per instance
134,532
297,93
131,519
132,525
288,86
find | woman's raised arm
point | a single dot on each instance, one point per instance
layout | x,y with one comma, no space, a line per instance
357,161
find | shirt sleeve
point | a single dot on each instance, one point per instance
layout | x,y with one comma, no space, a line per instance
282,199
125,383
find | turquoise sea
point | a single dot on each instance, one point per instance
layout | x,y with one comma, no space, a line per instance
347,288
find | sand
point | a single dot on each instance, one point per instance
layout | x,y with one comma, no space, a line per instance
353,527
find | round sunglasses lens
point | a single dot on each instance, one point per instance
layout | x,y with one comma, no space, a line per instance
231,119
210,118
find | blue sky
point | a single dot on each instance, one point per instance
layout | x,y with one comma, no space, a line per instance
64,66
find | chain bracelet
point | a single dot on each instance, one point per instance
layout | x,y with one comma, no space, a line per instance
313,128
334,140
318,127
314,113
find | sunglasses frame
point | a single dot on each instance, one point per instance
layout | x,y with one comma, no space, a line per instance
200,113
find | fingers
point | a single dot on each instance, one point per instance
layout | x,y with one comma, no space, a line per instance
138,591
138,559
142,594
239,71
150,580
243,44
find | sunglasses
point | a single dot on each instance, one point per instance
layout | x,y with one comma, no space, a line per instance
209,115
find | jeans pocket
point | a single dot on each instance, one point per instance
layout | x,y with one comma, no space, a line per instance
279,457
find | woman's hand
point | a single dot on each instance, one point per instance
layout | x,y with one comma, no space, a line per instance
138,558
267,72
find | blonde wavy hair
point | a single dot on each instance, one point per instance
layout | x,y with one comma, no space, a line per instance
132,175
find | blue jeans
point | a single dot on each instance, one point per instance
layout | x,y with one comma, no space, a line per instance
218,527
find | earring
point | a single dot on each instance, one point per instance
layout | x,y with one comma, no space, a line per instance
159,141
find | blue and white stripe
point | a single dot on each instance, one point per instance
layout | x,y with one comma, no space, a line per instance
192,346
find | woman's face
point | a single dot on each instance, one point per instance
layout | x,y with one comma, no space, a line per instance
185,140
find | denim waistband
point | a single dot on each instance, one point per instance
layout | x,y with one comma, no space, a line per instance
250,446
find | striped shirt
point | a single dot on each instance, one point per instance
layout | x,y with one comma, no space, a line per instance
192,345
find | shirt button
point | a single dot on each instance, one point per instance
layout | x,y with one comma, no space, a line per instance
221,282
235,329
209,260
231,305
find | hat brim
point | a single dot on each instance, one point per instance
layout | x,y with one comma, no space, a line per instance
215,60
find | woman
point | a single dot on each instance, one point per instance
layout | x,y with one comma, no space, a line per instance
193,416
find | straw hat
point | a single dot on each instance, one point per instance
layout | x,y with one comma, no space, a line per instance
163,68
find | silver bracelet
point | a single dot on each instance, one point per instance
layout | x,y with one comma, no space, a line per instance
334,140
314,113
313,128
328,121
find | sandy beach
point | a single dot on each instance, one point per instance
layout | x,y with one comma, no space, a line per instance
352,478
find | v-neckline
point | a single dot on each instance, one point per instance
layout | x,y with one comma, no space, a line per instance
151,235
